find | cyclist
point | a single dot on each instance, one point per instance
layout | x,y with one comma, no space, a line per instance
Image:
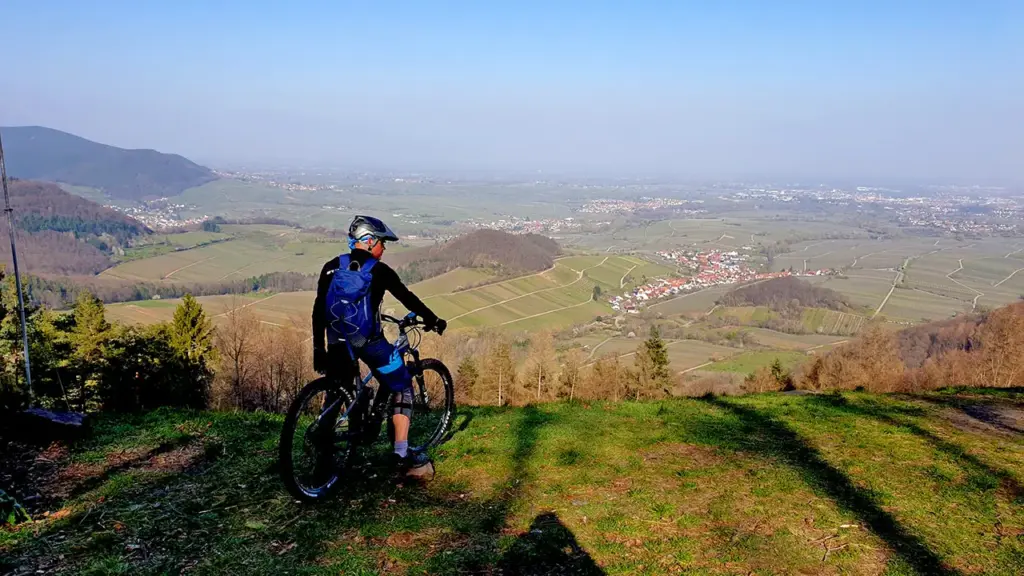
367,239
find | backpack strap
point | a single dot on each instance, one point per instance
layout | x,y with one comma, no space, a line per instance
343,261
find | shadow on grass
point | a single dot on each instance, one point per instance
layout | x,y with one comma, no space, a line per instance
548,548
772,438
888,415
91,483
130,519
467,417
235,517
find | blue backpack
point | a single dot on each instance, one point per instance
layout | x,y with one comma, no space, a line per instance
350,314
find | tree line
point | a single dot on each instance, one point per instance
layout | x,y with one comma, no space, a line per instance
62,292
82,362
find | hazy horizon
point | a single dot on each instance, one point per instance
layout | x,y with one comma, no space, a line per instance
921,91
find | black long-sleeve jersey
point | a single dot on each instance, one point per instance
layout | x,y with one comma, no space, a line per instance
384,279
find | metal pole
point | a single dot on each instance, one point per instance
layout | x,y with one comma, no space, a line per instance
17,276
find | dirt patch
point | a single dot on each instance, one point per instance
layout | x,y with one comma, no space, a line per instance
691,454
28,471
1001,419
177,460
43,478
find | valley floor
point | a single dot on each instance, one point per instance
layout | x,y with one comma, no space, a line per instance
766,484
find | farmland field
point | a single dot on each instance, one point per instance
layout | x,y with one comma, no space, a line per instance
783,341
822,321
744,315
748,362
862,291
556,297
286,309
700,301
682,354
243,251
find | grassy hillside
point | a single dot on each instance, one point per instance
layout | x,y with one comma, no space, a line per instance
769,484
38,153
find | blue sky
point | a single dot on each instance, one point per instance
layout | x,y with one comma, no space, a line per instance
707,89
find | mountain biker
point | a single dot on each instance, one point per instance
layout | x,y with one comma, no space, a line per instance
367,239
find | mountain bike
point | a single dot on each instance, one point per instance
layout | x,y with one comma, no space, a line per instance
331,421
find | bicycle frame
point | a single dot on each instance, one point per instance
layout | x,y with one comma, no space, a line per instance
380,401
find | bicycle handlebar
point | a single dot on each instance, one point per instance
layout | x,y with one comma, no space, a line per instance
407,322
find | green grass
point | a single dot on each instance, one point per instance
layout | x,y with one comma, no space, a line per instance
235,253
767,484
744,315
749,361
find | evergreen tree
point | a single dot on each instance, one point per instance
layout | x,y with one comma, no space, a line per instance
651,362
89,337
191,331
191,339
467,375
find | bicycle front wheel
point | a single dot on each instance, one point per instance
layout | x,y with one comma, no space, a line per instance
433,406
315,445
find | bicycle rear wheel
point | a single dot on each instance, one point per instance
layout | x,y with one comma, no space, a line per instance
433,406
315,445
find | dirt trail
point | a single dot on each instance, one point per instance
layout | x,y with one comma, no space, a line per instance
978,293
175,271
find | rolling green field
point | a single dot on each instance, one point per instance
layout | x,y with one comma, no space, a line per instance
285,309
743,315
749,361
764,484
244,251
682,354
782,341
554,298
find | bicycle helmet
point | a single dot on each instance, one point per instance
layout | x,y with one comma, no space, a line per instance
363,226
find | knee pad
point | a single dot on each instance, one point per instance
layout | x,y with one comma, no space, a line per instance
403,403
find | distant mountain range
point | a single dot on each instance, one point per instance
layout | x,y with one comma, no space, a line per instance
37,153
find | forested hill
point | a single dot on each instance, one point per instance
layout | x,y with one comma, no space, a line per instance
60,233
504,252
778,293
34,152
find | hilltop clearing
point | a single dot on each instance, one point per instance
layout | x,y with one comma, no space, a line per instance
42,153
772,484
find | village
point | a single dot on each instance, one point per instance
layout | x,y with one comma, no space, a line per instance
160,214
708,268
615,206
